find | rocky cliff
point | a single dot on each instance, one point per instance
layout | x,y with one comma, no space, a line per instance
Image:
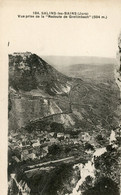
118,67
118,81
33,89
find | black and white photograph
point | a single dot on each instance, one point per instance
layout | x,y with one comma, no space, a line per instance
63,98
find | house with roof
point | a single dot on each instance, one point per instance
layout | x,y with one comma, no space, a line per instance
31,156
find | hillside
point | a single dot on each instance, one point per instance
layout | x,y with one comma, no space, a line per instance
33,89
29,72
38,90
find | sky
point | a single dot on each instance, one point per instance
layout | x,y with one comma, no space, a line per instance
64,37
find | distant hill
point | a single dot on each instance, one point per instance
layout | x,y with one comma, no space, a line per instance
58,61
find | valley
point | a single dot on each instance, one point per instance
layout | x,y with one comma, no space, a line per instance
55,116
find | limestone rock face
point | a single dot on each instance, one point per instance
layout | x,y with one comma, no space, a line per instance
118,68
33,89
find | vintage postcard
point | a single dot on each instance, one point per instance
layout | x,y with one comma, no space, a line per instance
60,97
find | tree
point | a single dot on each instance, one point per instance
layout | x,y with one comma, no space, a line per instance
57,127
104,187
88,146
100,139
55,149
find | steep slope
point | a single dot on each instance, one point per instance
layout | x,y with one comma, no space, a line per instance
118,68
37,90
93,108
33,89
29,71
